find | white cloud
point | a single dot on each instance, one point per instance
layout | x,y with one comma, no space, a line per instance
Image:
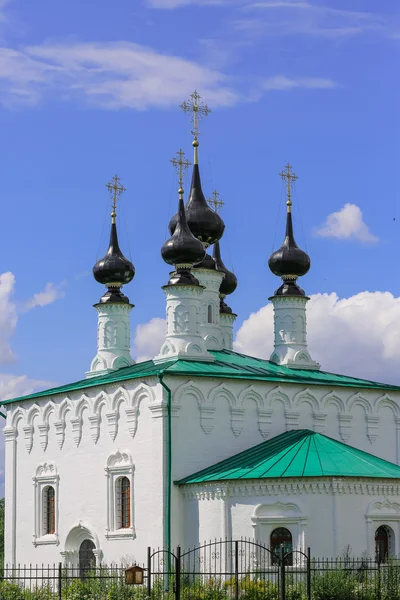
346,224
356,336
50,294
148,339
282,17
281,82
8,316
110,75
124,75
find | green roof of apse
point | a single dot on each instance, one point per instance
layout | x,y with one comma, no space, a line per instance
297,453
227,365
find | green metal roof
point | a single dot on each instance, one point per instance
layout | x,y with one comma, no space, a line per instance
297,453
227,365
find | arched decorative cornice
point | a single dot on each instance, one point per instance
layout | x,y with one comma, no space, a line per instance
65,406
188,389
221,391
48,410
250,393
142,392
82,404
17,416
33,412
307,397
119,459
275,395
46,469
332,398
102,399
387,401
358,400
276,509
120,396
376,507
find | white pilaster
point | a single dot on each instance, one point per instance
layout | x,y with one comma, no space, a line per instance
210,317
184,315
226,323
290,329
113,338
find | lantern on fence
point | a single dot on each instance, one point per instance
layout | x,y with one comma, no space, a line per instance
134,575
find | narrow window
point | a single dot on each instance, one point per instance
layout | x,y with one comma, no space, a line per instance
210,314
123,503
281,537
49,512
382,544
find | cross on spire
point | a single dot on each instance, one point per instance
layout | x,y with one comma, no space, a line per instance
181,164
290,177
116,190
197,109
215,201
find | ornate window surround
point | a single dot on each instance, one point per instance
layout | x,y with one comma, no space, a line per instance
119,464
46,474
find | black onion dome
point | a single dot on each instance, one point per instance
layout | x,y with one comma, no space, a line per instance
207,263
182,248
229,282
289,260
205,224
114,270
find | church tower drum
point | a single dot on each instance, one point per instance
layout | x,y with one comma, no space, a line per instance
290,326
113,309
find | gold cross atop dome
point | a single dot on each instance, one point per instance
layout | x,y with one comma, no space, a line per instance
215,201
116,190
181,164
290,177
197,109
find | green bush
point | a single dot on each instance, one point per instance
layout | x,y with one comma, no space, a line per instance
336,584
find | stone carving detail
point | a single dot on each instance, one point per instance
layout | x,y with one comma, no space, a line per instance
94,426
237,420
345,426
372,427
28,437
264,422
119,459
292,419
76,423
319,421
46,469
112,420
43,435
207,416
59,427
132,419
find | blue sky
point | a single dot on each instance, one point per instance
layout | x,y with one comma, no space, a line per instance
89,89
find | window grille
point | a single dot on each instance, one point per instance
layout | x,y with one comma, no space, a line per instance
49,512
123,503
281,537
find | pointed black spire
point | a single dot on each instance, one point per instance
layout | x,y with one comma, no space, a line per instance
182,250
289,262
229,282
114,270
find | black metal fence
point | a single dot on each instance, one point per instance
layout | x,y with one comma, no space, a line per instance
220,570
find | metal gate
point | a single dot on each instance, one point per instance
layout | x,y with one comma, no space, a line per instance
226,570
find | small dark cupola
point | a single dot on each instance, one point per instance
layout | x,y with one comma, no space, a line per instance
229,282
289,262
183,249
204,223
114,270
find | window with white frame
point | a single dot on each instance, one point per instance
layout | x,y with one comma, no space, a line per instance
46,492
120,501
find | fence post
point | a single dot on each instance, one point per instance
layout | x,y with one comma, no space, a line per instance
309,573
59,581
379,594
236,570
148,571
282,594
178,573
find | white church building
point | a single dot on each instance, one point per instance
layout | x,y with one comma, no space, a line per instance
202,442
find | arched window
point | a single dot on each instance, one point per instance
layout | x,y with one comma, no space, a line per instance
281,536
382,538
210,313
49,510
123,503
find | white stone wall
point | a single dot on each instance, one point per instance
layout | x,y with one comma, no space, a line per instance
212,419
76,435
325,514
